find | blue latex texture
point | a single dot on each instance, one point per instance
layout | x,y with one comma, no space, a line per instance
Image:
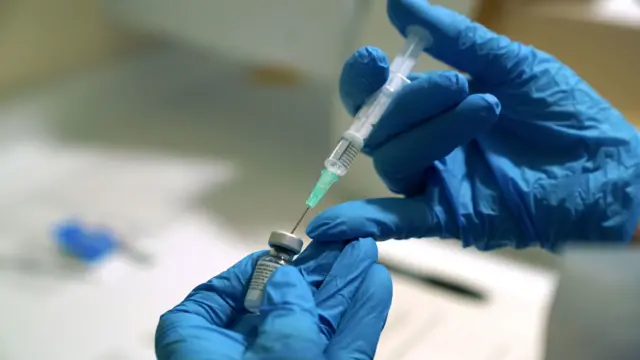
521,152
332,304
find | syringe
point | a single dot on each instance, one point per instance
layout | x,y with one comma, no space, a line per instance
353,139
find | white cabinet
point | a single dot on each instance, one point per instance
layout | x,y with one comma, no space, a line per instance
309,35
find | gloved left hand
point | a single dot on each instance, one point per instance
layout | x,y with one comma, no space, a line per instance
524,153
332,305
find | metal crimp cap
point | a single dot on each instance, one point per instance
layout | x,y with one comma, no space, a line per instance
285,240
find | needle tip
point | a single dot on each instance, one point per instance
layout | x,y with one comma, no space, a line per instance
300,219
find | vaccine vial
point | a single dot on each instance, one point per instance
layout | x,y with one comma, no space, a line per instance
284,247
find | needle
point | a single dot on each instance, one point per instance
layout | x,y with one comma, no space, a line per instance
300,220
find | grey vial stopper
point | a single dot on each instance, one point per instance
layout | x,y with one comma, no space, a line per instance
285,240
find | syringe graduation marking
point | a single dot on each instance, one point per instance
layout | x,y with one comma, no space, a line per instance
349,155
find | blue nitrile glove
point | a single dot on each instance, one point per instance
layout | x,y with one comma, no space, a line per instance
540,161
332,305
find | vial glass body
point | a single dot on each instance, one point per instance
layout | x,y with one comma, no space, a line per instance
263,270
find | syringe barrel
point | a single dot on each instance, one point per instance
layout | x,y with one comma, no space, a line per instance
368,116
374,108
417,40
353,139
342,156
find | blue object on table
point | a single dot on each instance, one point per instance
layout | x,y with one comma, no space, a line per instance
86,245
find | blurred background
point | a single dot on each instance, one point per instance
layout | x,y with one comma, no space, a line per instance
188,130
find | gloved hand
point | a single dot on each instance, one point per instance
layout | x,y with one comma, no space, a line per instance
332,305
525,153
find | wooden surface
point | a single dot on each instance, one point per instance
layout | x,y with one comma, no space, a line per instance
40,39
604,52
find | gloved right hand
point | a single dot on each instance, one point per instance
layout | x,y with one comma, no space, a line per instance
524,154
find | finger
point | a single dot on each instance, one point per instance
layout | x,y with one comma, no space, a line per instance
289,320
403,161
362,75
316,262
380,219
460,42
365,318
194,326
426,97
193,338
342,283
320,261
220,299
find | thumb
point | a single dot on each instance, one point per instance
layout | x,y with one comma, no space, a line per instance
289,326
460,42
380,219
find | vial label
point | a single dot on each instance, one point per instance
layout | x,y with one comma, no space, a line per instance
261,274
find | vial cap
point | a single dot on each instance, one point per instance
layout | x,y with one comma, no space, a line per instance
285,240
